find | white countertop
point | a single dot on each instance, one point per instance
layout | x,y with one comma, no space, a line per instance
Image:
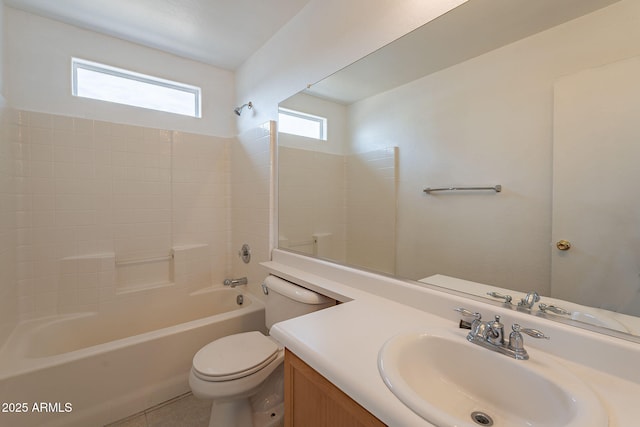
342,344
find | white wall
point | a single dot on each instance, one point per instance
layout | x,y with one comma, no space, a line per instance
39,67
487,121
324,37
2,53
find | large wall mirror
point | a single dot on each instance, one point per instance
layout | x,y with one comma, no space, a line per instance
521,120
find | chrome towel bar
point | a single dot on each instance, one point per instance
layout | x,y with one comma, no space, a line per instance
144,260
496,188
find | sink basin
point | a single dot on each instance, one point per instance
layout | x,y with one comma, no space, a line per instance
450,382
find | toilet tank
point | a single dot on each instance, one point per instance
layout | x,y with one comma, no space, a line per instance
286,300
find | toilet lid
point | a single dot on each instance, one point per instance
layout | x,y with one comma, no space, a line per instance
234,356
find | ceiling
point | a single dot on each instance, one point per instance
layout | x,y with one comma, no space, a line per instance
223,33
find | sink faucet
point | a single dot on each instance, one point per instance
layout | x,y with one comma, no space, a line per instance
494,332
490,335
235,282
528,301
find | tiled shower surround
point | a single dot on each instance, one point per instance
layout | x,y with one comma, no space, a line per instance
8,288
101,209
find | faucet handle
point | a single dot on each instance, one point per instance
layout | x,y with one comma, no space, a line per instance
507,298
516,342
531,332
473,326
467,313
553,308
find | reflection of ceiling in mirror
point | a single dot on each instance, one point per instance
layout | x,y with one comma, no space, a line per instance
487,26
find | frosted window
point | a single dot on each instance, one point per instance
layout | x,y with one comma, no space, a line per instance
302,124
106,83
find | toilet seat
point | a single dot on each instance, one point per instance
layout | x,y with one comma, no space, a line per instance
234,356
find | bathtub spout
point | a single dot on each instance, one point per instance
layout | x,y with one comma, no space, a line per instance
235,282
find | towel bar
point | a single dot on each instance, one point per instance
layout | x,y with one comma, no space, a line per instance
496,188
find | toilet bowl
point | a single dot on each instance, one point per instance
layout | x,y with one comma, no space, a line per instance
243,373
232,369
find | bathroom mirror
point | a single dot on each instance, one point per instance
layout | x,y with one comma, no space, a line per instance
538,100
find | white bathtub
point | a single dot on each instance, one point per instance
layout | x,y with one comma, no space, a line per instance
90,369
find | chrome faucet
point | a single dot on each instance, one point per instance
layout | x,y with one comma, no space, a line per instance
529,300
490,335
494,332
235,282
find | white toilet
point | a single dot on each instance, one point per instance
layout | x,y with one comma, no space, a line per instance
243,373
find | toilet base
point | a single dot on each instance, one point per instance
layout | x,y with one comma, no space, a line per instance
238,413
274,417
231,413
241,413
268,403
262,406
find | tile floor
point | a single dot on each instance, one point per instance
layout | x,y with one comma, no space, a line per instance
183,411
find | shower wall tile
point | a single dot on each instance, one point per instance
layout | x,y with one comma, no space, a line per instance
192,267
201,198
85,281
251,195
85,188
11,131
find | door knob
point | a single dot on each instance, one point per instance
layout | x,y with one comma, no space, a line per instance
563,245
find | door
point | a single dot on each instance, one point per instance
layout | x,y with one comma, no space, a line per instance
596,187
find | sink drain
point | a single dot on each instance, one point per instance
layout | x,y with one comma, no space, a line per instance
481,418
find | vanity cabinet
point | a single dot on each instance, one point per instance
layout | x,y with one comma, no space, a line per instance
312,401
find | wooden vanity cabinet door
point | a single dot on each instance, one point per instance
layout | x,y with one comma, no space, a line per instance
312,401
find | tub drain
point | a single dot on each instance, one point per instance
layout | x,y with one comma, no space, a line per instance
481,418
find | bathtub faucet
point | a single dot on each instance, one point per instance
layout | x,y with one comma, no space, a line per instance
235,282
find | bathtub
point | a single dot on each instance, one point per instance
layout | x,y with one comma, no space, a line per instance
89,369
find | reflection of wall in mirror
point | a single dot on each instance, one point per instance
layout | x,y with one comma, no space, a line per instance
325,191
486,121
311,190
311,199
351,198
371,209
596,175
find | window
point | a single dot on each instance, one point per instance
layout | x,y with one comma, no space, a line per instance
302,124
106,83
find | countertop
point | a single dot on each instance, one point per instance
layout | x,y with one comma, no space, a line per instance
342,343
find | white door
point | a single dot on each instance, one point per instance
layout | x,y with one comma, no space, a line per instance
596,187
